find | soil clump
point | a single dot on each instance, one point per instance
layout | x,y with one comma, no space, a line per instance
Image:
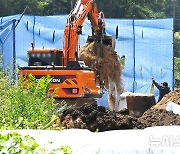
173,96
98,118
159,117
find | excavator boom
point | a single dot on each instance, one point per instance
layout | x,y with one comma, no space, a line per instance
73,28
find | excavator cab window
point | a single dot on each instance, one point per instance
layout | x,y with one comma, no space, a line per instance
41,59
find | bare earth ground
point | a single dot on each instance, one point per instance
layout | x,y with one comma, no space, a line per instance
97,118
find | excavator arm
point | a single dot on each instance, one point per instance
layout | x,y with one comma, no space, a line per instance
73,28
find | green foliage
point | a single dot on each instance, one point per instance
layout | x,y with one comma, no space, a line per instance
35,7
173,9
177,59
177,72
111,8
65,149
14,142
25,108
177,44
0,62
132,8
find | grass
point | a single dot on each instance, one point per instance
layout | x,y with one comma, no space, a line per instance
25,108
27,105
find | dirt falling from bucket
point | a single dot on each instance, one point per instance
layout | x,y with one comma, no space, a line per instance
109,67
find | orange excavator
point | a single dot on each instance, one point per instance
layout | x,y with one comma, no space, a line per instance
71,78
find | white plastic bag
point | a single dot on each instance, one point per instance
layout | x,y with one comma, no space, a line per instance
175,108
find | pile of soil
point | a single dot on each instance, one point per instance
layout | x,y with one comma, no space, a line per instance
93,117
173,96
97,118
159,117
157,114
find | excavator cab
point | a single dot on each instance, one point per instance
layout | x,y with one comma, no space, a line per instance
45,57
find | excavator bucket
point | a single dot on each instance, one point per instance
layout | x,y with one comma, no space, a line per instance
100,41
107,40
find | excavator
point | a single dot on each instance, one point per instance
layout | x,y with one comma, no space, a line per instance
71,78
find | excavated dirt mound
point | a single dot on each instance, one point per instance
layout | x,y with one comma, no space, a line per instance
173,96
97,118
159,117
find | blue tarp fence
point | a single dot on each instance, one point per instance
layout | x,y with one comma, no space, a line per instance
146,44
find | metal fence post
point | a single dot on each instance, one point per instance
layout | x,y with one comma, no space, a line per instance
14,51
134,69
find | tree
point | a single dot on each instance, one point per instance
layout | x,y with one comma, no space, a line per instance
5,8
35,7
111,8
10,7
132,8
57,7
177,59
172,9
177,44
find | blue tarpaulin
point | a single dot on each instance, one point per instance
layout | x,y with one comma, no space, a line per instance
146,44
